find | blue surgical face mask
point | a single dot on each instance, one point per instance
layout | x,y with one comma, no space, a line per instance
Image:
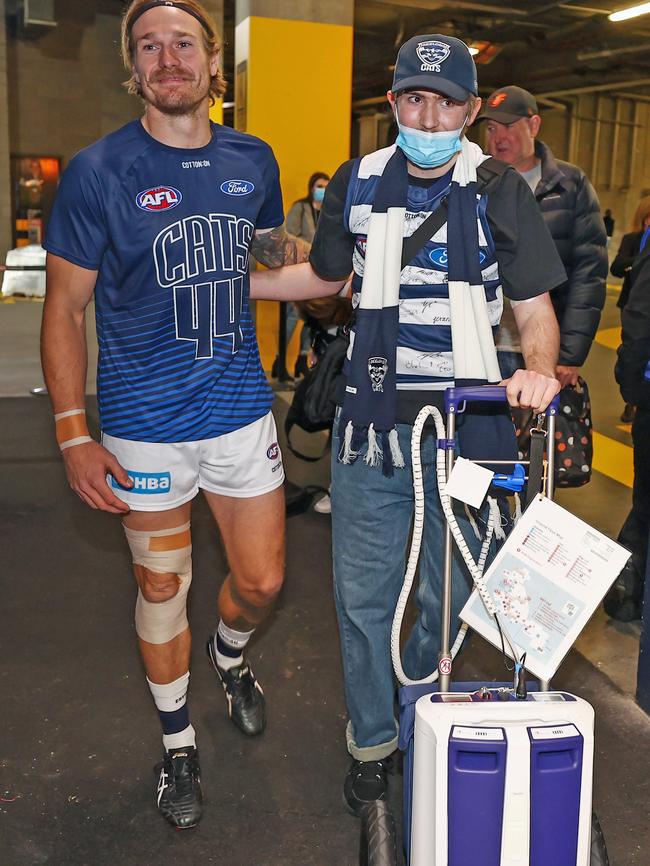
429,149
319,193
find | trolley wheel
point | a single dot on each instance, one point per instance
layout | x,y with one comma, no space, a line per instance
378,843
599,856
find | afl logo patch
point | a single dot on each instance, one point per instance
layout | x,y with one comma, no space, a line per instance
273,451
237,187
159,198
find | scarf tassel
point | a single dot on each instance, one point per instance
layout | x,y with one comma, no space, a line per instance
383,449
395,450
347,454
374,455
354,438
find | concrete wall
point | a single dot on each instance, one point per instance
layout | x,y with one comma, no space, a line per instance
608,137
65,86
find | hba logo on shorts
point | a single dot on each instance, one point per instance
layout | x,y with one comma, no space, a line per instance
159,198
273,451
146,483
237,187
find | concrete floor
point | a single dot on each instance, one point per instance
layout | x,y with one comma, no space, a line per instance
79,735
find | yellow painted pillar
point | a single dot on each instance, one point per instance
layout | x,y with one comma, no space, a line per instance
293,83
215,8
293,89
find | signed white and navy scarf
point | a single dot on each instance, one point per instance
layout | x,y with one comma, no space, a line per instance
369,408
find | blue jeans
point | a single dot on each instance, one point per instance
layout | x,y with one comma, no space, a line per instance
510,362
305,335
371,522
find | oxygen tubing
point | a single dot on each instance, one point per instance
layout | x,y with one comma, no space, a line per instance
476,569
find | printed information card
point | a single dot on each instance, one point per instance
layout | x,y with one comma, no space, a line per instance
547,579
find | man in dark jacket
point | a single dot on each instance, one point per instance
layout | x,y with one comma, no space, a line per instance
624,601
571,211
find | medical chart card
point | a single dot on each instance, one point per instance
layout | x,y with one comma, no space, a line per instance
546,581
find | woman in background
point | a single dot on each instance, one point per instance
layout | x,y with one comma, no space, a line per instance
301,222
631,245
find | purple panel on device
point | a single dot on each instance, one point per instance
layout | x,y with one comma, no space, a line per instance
477,771
555,782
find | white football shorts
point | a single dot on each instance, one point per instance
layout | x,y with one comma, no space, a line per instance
243,464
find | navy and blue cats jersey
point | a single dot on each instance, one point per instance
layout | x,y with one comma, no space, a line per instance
169,232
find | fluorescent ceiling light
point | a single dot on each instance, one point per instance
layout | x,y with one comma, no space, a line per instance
630,12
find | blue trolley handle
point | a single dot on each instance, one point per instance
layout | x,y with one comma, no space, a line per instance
455,404
455,398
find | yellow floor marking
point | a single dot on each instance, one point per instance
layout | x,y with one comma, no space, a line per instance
609,337
613,459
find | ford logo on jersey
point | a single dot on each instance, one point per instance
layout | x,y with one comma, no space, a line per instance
439,257
237,187
146,482
159,198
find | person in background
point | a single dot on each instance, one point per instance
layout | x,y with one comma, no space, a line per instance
610,222
629,249
302,220
624,601
323,317
571,211
622,267
303,214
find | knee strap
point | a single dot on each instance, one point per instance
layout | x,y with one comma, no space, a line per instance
162,551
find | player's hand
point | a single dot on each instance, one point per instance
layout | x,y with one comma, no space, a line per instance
527,389
87,466
567,375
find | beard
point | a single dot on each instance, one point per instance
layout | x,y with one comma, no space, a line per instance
181,99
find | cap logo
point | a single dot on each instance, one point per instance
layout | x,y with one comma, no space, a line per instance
497,99
432,54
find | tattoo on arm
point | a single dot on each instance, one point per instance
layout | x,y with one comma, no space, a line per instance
276,248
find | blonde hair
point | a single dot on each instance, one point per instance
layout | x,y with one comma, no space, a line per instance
210,41
640,214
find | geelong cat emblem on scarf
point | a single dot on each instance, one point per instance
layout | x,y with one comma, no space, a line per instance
432,54
377,369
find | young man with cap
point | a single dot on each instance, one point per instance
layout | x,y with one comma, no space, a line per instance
417,329
158,220
571,211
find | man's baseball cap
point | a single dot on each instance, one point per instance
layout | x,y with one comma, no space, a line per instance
436,62
509,104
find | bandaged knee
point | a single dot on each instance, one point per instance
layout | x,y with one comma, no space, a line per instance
162,552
